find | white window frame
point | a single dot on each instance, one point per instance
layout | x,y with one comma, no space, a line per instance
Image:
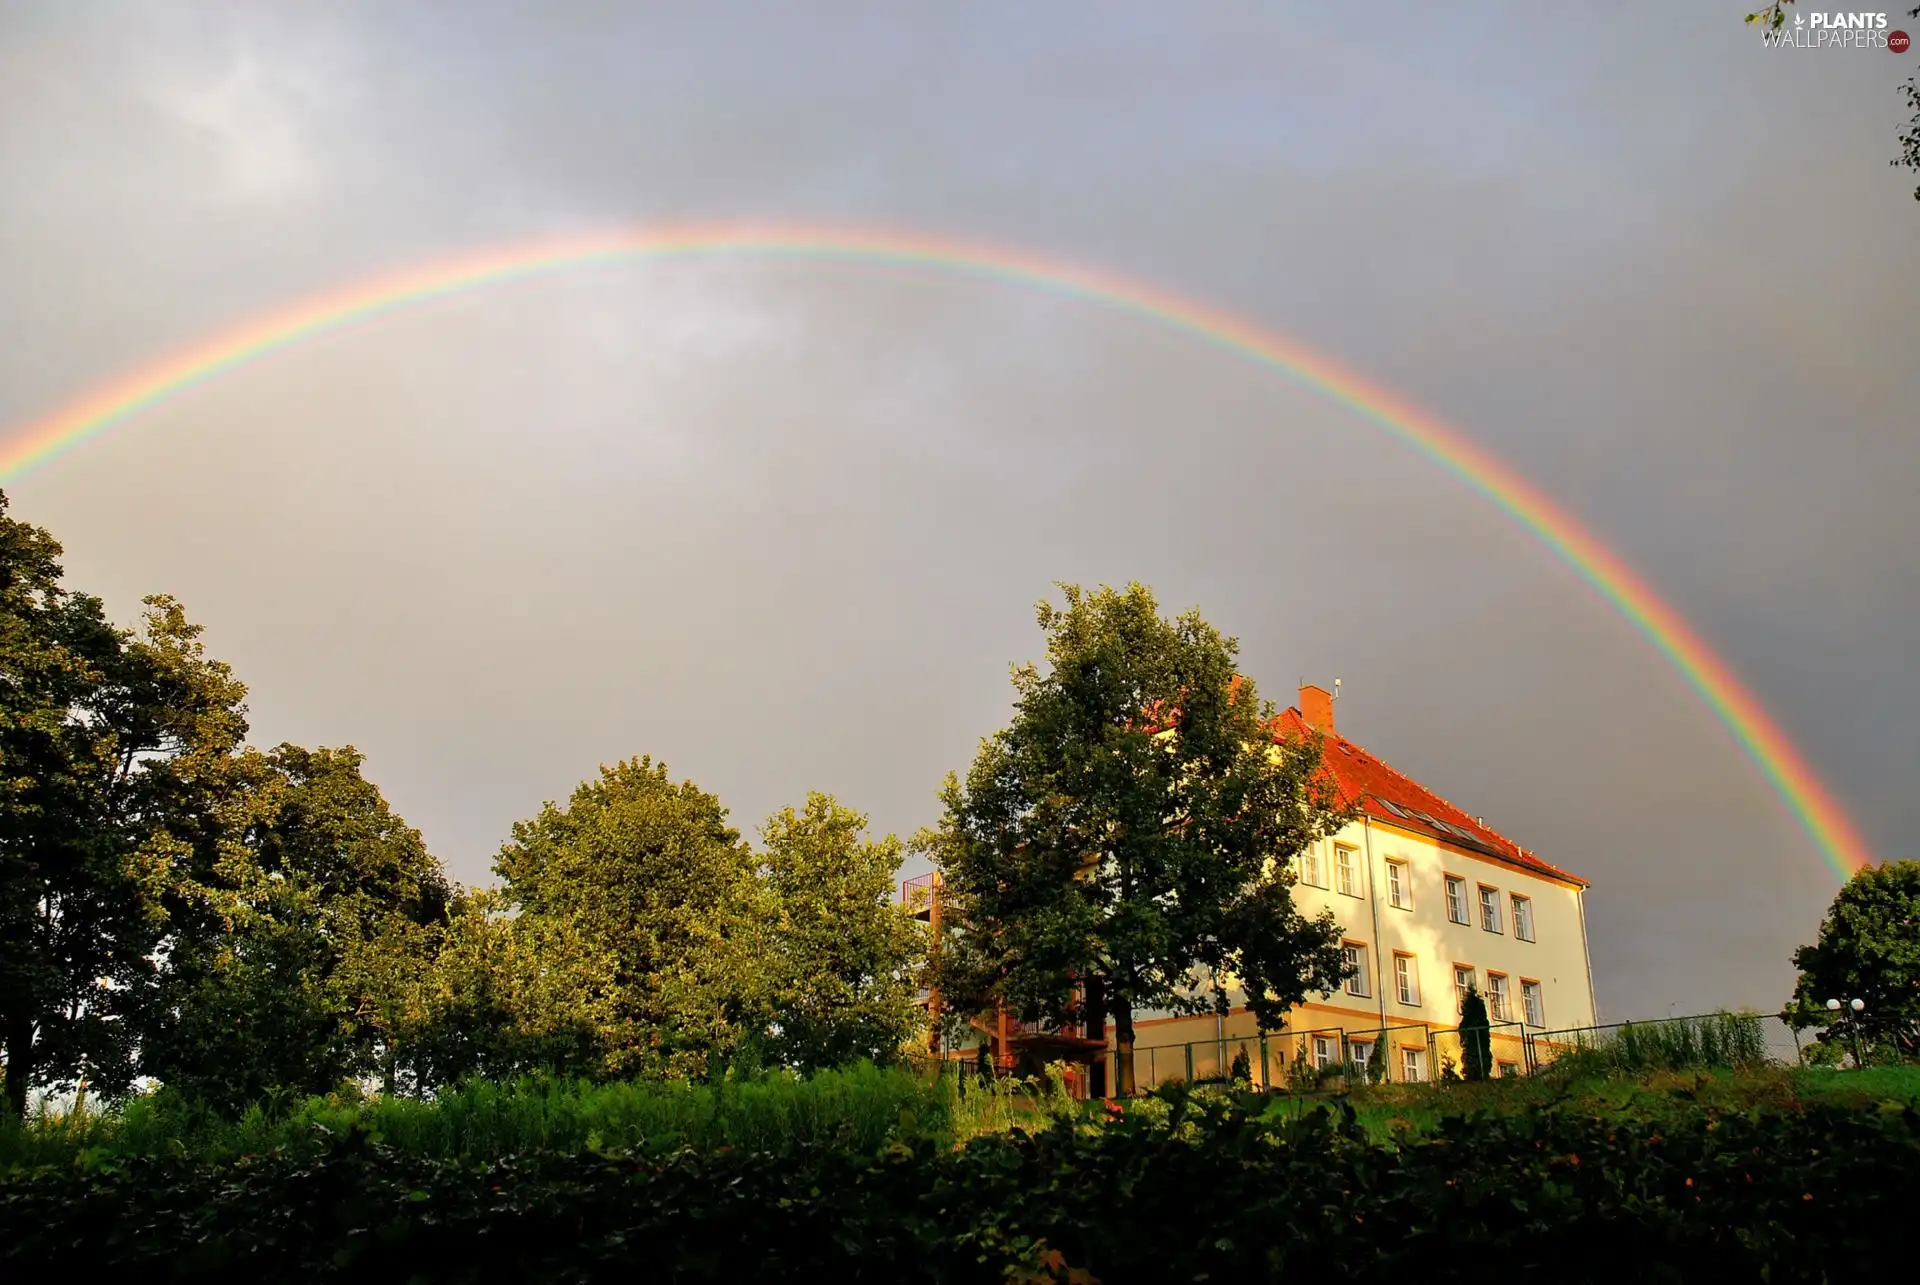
1406,979
1357,984
1324,1055
1311,871
1499,997
1533,1003
1508,1070
1473,978
1456,884
1399,885
1522,908
1490,909
1345,872
1413,1066
1360,1053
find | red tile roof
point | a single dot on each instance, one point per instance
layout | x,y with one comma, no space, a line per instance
1388,796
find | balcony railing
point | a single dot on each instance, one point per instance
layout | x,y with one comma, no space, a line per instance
916,894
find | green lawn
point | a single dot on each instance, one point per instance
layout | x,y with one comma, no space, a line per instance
859,1109
1387,1110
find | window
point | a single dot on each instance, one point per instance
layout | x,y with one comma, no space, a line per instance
1360,1053
1497,996
1490,908
1457,900
1344,871
1530,1000
1413,1065
1311,871
1323,1055
1523,917
1462,982
1355,953
1508,1070
1406,979
1398,891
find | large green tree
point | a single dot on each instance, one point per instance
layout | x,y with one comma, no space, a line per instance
840,956
507,995
645,875
106,737
1126,841
300,916
1868,949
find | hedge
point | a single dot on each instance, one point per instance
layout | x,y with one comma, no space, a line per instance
1186,1190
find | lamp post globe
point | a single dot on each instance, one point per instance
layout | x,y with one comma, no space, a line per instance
1857,1005
1833,1005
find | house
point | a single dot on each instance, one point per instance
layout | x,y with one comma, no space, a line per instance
1430,901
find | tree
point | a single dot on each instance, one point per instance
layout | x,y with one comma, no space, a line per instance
1476,1036
647,876
1774,17
840,958
1129,835
300,914
1868,949
102,734
509,995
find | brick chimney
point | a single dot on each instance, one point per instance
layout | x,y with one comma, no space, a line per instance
1316,706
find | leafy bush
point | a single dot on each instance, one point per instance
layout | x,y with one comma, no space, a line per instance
1184,1188
1476,1038
861,1107
1724,1040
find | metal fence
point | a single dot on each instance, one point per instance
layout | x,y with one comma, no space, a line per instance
1339,1059
1675,1043
1326,1059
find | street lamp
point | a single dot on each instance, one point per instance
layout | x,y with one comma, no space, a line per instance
1854,1008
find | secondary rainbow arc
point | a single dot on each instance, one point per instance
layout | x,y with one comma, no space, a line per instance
1711,678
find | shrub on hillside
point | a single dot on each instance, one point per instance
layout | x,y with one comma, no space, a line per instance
1179,1189
1724,1041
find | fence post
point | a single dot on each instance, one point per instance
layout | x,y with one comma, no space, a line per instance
1266,1077
1188,1049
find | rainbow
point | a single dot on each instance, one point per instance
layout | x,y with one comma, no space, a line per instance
1762,740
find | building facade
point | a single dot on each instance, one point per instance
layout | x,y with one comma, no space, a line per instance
1430,901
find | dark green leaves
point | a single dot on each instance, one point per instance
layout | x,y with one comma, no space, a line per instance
1132,826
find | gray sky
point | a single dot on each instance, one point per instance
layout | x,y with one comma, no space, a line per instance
783,523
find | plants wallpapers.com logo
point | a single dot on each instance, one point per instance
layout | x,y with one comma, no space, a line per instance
1838,31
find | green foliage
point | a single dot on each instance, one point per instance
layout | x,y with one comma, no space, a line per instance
1130,831
1868,949
1692,1193
106,736
299,923
1724,1040
840,957
1301,1075
659,894
506,996
1476,1037
1241,1070
860,1107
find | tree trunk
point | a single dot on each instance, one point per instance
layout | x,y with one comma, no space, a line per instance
1123,1047
19,1067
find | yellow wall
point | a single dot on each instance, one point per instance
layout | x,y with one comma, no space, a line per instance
1556,958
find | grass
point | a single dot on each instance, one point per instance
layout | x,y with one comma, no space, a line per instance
1391,1110
1723,1040
861,1109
